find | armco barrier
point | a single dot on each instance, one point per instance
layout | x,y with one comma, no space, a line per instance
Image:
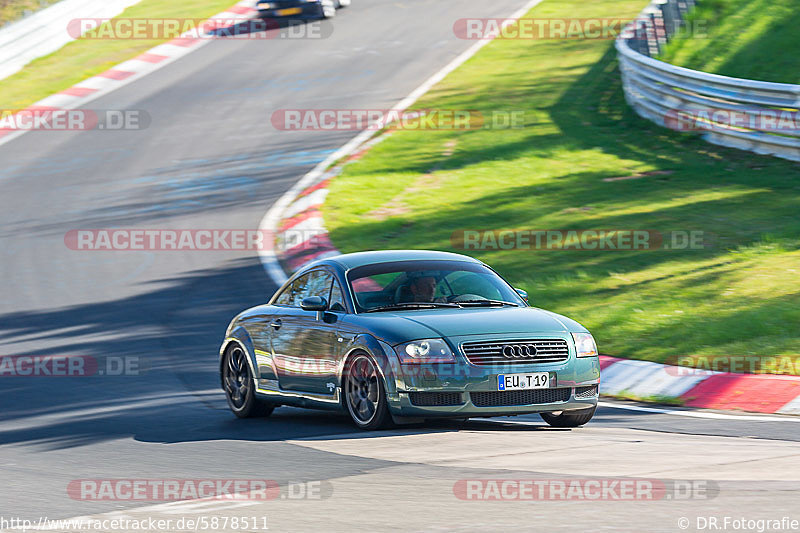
46,31
739,113
80,94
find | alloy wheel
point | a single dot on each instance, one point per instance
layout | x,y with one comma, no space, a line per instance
236,376
363,395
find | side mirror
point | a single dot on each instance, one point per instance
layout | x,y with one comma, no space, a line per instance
314,303
523,294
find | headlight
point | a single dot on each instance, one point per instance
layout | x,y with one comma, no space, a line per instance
266,5
584,345
425,351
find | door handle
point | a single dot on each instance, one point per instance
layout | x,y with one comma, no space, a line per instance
276,324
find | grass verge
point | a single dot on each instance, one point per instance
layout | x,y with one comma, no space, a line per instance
740,295
85,58
661,400
746,39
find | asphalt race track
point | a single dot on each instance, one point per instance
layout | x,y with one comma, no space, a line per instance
210,159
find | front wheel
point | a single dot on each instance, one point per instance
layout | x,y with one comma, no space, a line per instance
365,395
240,386
569,419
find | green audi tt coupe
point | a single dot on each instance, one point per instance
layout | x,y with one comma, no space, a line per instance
404,336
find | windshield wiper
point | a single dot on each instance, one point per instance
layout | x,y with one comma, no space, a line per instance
411,305
486,303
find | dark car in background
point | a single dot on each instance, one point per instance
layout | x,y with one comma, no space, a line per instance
300,8
404,336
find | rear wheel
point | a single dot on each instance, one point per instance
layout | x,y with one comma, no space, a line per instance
240,386
365,395
569,419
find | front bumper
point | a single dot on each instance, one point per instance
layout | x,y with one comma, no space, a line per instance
472,391
402,405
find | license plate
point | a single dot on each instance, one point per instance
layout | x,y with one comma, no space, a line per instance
290,11
536,380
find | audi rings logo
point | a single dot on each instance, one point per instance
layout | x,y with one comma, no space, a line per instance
519,351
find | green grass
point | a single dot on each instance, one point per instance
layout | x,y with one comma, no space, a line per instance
11,10
739,297
85,58
755,39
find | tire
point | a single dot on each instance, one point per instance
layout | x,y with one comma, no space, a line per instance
569,419
239,385
364,394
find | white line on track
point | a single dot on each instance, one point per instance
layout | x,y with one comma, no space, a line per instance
699,414
661,411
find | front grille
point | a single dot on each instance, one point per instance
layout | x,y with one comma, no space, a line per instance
586,392
435,399
491,353
519,397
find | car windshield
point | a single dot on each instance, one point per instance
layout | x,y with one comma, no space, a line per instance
429,285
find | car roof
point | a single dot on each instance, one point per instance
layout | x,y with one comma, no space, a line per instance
354,260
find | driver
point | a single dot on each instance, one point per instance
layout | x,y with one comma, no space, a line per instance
423,289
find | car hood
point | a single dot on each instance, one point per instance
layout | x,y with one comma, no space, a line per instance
402,326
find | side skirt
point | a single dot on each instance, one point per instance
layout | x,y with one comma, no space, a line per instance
270,391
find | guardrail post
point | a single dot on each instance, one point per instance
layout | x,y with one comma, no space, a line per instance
659,32
652,38
669,17
641,38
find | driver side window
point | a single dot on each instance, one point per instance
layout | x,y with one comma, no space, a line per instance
304,286
336,303
285,297
316,283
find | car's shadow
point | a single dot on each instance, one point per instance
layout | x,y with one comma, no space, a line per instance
288,423
173,332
